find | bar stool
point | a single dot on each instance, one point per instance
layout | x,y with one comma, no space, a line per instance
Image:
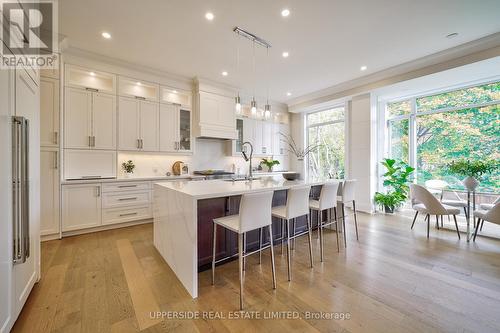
254,213
346,197
327,201
297,204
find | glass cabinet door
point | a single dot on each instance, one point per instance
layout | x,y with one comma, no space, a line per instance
184,129
239,130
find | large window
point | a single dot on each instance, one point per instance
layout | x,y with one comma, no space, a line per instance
431,131
326,129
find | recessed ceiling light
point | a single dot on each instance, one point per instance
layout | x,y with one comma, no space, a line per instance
106,35
289,94
209,16
363,68
452,35
175,91
138,83
92,74
285,12
224,73
285,54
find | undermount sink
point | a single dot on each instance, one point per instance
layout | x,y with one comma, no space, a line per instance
241,179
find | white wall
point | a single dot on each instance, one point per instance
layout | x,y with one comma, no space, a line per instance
362,145
297,131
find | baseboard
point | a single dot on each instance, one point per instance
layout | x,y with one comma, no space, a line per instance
106,227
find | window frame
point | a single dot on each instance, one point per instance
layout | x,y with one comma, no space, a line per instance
344,120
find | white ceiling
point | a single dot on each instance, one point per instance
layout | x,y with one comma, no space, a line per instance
328,40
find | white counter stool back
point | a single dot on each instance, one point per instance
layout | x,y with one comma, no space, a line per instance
348,197
254,214
327,201
297,205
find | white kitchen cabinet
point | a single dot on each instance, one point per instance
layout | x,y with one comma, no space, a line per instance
280,143
81,164
215,116
90,120
257,137
81,206
85,78
139,89
176,96
49,187
267,137
49,112
175,128
138,124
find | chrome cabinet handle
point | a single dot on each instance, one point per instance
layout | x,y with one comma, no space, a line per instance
124,186
128,214
56,137
92,89
127,199
138,144
56,159
142,144
98,191
90,141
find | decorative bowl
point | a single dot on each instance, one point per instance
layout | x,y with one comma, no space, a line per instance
291,175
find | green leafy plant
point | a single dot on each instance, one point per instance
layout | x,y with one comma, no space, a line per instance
128,166
269,162
396,180
468,168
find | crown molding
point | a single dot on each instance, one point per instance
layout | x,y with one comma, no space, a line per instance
474,51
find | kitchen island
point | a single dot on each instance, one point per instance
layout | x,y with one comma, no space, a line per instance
183,213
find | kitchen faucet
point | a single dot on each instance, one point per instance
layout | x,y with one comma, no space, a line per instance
249,160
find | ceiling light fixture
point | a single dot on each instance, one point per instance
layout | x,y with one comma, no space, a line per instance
175,91
267,107
138,83
452,35
92,74
285,12
363,68
285,54
289,94
237,99
209,16
253,103
224,73
106,35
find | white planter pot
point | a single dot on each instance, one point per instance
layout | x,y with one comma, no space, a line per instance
470,183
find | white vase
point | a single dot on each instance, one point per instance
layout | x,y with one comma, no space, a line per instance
470,183
127,174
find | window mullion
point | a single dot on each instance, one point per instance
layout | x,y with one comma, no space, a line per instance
412,140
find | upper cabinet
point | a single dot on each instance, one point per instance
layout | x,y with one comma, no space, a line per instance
176,96
79,77
138,89
175,128
215,116
138,124
49,112
89,120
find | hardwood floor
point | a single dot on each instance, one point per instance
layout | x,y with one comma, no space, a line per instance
392,280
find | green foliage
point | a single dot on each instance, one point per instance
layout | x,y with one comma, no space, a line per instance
468,168
269,162
396,181
128,166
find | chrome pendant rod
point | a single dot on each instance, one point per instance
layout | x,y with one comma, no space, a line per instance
252,37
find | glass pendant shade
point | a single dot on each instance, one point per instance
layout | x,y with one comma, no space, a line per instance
253,105
237,104
267,111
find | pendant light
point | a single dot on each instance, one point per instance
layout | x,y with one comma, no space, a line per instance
267,108
237,99
253,104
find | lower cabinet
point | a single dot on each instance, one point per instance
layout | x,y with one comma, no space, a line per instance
49,187
81,206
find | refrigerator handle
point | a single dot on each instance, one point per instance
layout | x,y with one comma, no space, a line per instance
15,190
25,189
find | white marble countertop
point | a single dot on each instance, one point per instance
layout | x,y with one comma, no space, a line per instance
221,188
131,179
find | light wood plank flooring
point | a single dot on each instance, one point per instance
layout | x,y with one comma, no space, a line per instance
392,280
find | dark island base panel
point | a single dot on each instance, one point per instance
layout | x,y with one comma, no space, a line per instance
227,241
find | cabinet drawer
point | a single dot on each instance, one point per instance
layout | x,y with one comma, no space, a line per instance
120,215
119,199
125,186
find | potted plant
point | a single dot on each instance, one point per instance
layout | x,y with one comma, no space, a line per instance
396,180
471,170
128,167
269,163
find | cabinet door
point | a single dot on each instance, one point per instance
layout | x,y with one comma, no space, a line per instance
248,132
168,127
81,206
77,118
49,186
128,123
257,137
104,121
217,110
226,112
149,125
284,129
267,137
49,112
184,129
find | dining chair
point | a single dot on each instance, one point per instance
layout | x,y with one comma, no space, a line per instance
254,213
486,206
492,215
425,202
348,190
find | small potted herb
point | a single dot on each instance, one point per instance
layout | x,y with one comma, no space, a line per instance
269,163
471,170
128,167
